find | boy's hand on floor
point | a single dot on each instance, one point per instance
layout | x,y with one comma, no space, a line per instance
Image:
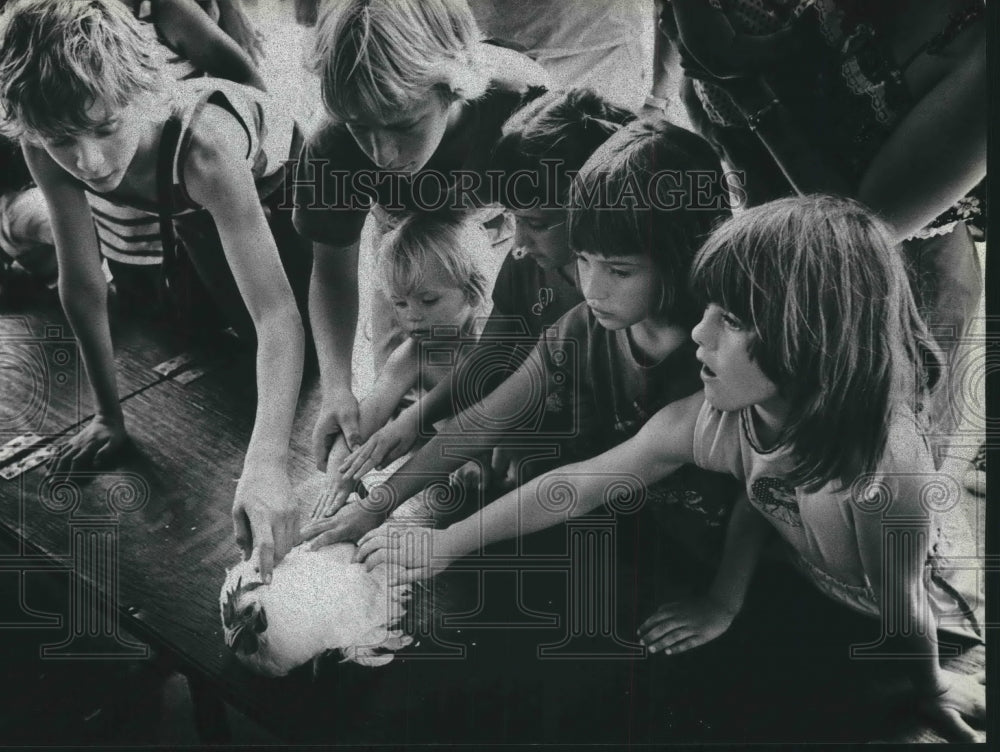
964,698
387,444
265,517
94,447
681,625
349,523
338,416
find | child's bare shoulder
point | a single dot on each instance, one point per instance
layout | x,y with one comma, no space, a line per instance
673,426
682,412
218,143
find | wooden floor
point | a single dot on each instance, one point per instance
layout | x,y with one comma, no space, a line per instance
771,679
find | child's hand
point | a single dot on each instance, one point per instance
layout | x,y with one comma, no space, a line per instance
334,496
265,517
337,488
964,698
338,416
349,523
471,478
681,625
499,476
94,446
412,553
388,443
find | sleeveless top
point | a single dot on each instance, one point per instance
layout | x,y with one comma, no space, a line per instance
819,528
124,234
273,136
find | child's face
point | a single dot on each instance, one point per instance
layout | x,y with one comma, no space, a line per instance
620,290
732,379
436,302
405,142
99,157
542,234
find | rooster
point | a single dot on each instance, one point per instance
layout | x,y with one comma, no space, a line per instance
317,601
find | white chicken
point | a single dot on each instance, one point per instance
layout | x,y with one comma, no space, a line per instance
318,601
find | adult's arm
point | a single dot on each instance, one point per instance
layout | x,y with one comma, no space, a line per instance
947,129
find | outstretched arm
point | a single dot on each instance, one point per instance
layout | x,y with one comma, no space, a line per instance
433,462
663,445
83,291
218,177
396,378
397,438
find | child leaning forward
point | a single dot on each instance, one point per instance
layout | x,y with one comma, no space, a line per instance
94,114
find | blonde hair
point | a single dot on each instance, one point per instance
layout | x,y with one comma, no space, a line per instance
823,287
58,57
454,241
379,57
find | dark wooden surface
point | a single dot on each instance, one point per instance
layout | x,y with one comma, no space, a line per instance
167,509
42,379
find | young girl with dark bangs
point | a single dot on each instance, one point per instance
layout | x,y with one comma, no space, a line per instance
812,398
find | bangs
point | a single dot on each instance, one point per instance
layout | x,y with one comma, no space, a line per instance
59,59
376,59
721,275
364,80
427,241
403,269
607,232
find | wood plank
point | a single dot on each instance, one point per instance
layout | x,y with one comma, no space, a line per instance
43,380
172,549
